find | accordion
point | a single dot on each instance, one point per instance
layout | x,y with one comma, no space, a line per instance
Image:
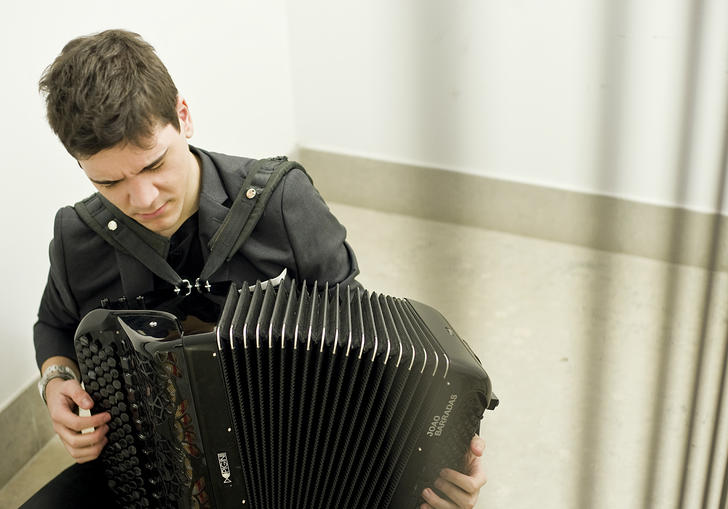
295,396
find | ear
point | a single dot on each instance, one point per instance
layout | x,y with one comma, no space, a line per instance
186,126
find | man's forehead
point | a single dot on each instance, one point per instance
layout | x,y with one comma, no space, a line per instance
127,157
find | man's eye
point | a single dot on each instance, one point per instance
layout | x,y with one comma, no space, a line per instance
158,167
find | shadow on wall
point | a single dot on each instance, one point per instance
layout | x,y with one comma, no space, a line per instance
684,483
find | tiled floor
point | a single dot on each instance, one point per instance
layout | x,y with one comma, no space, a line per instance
573,340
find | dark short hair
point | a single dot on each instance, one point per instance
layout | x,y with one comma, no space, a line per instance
105,89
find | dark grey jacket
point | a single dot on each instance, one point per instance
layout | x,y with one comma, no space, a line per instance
296,232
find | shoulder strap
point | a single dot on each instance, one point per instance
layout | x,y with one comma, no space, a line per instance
120,237
85,214
258,186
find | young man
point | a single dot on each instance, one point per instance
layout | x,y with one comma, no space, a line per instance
116,110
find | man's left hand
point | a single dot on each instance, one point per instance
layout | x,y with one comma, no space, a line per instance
462,489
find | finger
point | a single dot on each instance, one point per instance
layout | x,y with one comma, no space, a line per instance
477,446
472,460
86,459
61,398
460,497
62,414
435,501
78,395
81,441
87,451
89,455
468,483
91,421
68,389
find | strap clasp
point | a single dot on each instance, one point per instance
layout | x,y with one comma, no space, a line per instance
188,289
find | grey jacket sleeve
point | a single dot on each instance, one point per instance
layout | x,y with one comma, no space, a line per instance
316,237
58,313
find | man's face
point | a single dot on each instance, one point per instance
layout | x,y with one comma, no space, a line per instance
159,186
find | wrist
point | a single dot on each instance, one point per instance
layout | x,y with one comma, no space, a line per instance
52,372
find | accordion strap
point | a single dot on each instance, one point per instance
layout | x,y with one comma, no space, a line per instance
100,216
259,184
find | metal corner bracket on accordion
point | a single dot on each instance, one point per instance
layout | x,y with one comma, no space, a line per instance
300,396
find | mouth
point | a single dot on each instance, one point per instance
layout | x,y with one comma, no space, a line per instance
154,214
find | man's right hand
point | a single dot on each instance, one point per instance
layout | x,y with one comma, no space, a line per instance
62,397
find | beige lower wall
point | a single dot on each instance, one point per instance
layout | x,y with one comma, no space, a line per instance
595,221
24,429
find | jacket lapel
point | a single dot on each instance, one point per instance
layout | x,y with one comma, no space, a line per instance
214,200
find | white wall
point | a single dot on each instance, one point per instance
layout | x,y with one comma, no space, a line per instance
577,94
229,59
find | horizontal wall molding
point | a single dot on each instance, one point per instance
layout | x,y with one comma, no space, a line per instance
669,234
25,428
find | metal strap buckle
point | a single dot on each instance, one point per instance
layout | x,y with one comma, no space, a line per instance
177,289
199,286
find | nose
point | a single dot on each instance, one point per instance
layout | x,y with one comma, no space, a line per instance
142,193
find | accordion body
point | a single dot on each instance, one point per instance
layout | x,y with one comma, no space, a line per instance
292,397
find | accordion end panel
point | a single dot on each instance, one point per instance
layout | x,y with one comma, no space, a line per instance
133,365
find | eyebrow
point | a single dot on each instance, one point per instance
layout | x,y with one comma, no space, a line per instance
147,167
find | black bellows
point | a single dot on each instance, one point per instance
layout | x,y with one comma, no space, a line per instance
297,397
